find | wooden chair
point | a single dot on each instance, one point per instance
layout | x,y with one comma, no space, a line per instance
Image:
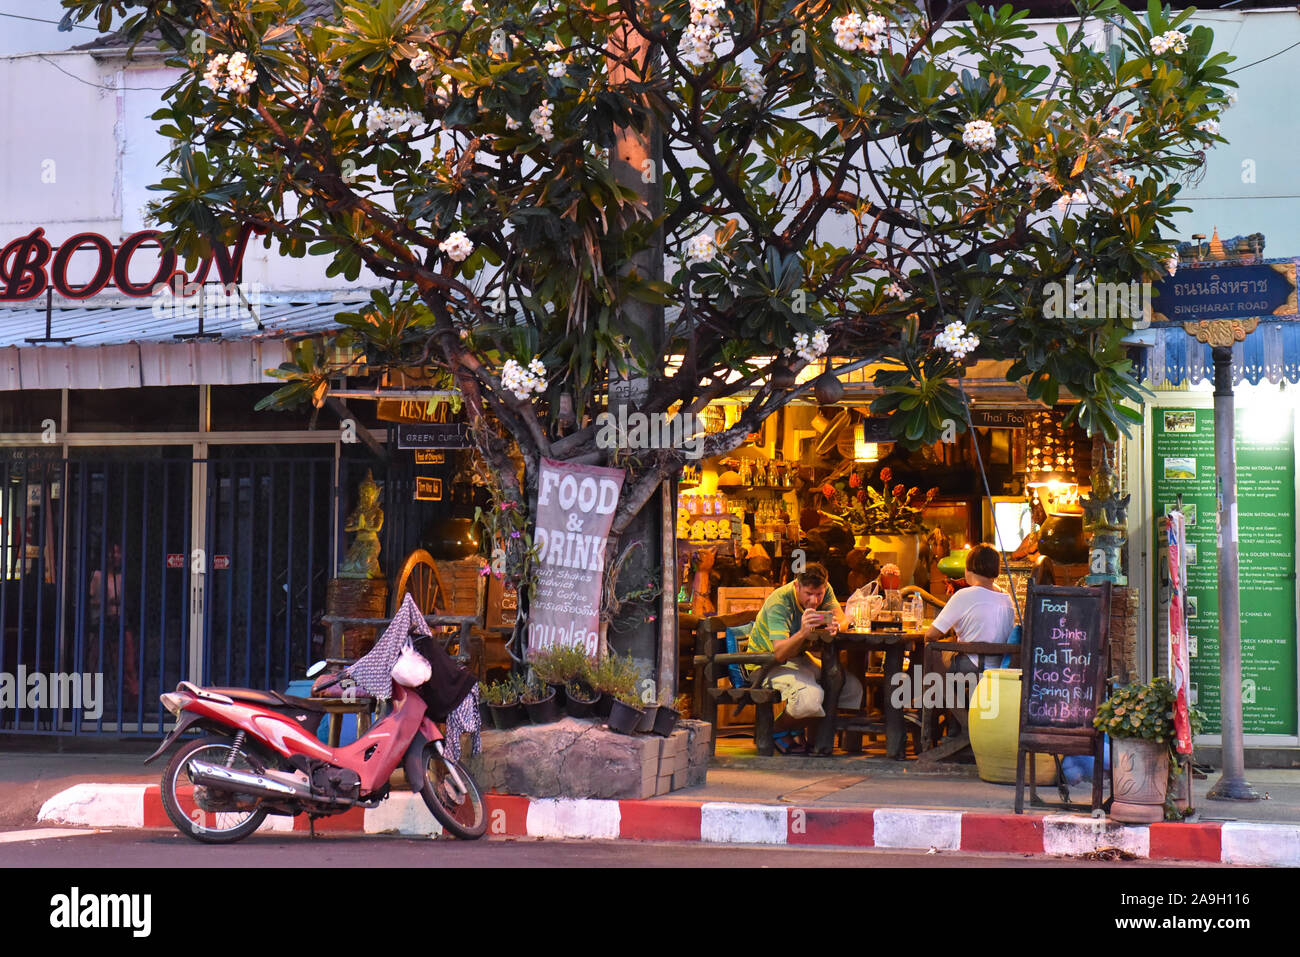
958,739
713,661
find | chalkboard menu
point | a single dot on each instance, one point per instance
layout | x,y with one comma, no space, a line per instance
1064,662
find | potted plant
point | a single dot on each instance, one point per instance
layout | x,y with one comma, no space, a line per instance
666,719
624,712
888,521
502,698
580,699
649,712
560,665
1145,769
541,701
613,676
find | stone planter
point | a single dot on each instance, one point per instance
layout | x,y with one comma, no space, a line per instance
1140,775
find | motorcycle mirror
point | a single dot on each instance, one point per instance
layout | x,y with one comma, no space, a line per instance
316,669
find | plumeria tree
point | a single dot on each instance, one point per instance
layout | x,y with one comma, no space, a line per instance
841,182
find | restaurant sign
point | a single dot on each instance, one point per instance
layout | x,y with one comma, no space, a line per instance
1226,291
29,266
575,509
434,435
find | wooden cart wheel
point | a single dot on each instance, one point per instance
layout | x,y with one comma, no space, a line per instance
420,578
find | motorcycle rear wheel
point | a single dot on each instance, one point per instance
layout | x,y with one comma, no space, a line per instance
453,798
203,813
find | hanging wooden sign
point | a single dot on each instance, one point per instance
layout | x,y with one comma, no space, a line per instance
428,489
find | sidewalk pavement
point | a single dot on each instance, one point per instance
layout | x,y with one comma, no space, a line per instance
840,801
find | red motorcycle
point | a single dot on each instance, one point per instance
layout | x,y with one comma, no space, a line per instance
264,758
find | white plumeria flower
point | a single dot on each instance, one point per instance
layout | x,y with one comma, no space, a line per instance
457,246
1169,40
1232,99
212,76
811,348
551,47
752,81
1209,126
1037,179
557,69
420,61
705,39
512,123
523,382
1067,200
467,6
1111,133
846,29
541,120
896,291
979,135
956,341
700,249
240,74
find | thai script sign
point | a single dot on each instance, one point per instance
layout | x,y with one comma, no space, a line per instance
575,509
1227,292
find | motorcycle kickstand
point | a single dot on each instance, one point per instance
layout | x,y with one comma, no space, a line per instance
311,825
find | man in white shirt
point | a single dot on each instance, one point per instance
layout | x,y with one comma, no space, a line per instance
980,612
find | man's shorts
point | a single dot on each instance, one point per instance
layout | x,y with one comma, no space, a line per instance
798,682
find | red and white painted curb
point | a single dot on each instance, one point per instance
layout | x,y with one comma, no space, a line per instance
1069,835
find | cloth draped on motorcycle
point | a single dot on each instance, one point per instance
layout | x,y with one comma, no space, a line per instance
450,693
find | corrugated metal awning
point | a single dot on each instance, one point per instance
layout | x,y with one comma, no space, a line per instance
122,345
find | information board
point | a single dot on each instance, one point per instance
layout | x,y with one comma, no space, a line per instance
1183,461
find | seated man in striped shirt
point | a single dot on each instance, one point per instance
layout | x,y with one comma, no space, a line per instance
784,627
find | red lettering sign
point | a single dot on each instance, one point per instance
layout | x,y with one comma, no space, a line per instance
175,560
221,562
23,273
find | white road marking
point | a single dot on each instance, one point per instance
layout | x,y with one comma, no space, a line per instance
46,833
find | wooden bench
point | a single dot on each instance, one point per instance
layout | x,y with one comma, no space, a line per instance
712,662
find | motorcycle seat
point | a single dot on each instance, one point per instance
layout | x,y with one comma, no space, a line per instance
274,699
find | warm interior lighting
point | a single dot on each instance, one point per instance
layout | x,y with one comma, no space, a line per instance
864,451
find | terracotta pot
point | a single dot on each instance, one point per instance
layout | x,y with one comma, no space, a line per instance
1139,778
899,549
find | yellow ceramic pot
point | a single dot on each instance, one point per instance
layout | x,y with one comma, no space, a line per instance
995,729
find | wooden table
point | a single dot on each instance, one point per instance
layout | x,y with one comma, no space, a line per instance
893,644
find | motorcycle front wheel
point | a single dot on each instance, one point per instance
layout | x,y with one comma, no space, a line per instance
452,796
207,814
